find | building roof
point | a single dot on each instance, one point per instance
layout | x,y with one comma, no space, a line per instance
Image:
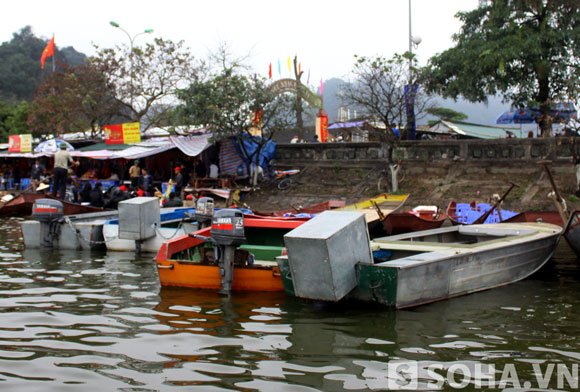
478,131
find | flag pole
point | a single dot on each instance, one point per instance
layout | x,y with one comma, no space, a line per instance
53,56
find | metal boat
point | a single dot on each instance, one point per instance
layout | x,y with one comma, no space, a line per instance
415,268
172,224
82,231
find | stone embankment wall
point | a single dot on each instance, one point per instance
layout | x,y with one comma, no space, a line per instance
435,172
498,151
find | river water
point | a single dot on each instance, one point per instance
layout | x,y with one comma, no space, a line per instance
74,321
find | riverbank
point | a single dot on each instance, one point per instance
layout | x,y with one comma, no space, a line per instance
426,184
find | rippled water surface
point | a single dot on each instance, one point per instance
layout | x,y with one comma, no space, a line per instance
72,321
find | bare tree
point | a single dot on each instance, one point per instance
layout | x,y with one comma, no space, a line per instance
146,79
377,90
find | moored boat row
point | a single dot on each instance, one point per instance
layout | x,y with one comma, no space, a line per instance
241,251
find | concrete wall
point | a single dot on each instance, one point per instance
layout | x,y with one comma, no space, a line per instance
488,152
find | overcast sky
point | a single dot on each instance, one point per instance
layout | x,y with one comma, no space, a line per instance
324,34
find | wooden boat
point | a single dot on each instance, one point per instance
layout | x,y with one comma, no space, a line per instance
465,214
552,217
417,219
312,210
468,213
22,203
572,231
189,262
414,268
374,207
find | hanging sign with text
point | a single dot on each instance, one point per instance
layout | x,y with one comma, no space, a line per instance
122,133
20,143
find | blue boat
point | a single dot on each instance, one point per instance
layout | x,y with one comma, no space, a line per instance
467,213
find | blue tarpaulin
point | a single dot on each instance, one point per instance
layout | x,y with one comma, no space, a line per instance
267,153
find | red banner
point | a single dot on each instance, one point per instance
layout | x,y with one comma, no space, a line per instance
122,133
322,126
20,143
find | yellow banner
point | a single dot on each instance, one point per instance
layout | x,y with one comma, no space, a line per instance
131,133
26,143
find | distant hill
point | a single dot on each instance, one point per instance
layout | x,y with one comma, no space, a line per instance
20,70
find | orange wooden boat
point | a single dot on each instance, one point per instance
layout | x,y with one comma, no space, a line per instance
417,219
189,262
23,202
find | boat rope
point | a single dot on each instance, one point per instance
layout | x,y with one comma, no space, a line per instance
67,220
171,236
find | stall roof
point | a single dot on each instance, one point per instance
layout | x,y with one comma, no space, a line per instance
191,145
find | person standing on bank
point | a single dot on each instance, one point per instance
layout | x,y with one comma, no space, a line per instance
134,174
36,173
61,160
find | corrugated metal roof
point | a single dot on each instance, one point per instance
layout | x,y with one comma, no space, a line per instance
471,130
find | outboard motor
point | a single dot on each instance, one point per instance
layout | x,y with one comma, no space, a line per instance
48,212
227,232
204,211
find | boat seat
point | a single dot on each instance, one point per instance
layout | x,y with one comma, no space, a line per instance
265,263
263,252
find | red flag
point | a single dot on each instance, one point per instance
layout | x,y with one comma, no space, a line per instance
47,52
270,71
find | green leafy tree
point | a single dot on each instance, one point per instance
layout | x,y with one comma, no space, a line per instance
526,51
79,99
445,114
12,119
237,105
377,89
146,79
20,71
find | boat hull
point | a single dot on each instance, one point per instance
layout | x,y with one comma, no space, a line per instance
387,203
447,274
22,205
552,217
406,222
181,262
572,232
150,245
78,232
196,276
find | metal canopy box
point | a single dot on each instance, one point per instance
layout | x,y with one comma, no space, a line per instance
322,254
138,218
